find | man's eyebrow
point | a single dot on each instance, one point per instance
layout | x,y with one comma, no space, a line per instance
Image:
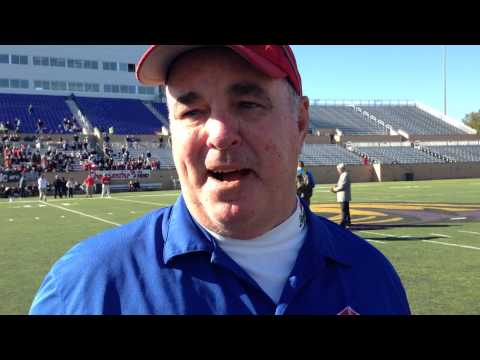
248,89
188,98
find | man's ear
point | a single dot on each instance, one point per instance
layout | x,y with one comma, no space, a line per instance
303,117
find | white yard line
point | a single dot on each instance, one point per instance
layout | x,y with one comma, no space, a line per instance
85,198
139,202
458,218
376,241
469,232
375,233
440,235
387,235
152,195
83,214
449,244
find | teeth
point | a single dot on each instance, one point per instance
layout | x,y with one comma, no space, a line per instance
225,171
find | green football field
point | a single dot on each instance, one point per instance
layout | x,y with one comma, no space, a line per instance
430,231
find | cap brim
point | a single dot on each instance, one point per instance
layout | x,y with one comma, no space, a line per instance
153,66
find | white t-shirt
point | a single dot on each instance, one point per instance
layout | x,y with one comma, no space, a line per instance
42,183
269,259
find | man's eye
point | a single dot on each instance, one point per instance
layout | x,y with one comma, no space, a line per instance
249,105
191,113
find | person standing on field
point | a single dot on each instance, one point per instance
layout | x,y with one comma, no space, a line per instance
42,187
105,185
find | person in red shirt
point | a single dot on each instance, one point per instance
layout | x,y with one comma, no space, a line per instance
105,185
89,181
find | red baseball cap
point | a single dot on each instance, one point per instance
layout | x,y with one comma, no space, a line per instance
276,61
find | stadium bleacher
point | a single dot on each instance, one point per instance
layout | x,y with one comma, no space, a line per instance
370,125
163,154
397,155
161,108
412,120
127,116
345,118
458,153
51,109
325,154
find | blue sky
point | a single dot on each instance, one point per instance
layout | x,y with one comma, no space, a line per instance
393,72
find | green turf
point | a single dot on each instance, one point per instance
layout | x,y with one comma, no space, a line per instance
439,279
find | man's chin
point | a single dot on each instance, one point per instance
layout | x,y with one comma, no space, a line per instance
232,211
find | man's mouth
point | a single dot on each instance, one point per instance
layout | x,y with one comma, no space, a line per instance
228,175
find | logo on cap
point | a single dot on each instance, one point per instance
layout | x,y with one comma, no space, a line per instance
348,311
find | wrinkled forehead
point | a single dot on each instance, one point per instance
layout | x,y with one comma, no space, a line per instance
209,62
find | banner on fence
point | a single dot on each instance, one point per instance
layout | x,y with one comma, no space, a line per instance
125,174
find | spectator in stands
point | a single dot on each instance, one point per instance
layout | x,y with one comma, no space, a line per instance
8,126
42,187
365,160
343,191
238,240
18,123
105,185
106,138
39,125
76,143
30,109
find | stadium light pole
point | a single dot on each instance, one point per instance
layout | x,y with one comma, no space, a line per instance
445,79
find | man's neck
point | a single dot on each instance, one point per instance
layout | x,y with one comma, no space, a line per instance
244,230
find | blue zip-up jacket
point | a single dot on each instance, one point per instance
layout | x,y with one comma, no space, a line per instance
165,263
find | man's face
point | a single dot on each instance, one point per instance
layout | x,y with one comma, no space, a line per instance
236,139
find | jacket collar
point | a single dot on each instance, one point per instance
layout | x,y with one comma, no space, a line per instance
182,235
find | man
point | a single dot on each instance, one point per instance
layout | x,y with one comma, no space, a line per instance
21,184
308,184
10,193
89,182
302,187
70,187
343,191
64,186
105,185
58,187
42,187
238,240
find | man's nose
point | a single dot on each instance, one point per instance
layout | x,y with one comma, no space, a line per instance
223,132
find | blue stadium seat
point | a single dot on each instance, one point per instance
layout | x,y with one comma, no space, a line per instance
51,109
127,116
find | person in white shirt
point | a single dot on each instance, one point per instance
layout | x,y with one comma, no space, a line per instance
42,187
342,189
70,186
